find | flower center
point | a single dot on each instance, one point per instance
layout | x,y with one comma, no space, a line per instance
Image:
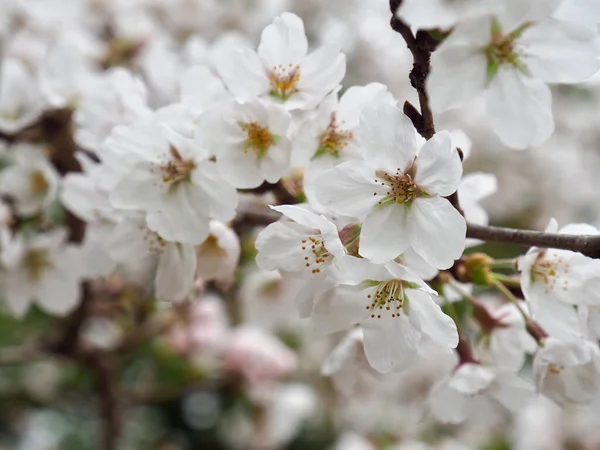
210,247
155,243
177,169
502,48
315,253
555,369
548,268
402,188
387,296
283,81
259,139
333,139
38,183
36,262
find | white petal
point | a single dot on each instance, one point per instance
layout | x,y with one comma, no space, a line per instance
520,108
348,189
141,189
560,52
458,67
284,41
448,405
438,165
243,72
176,271
437,325
391,343
222,196
59,292
183,216
385,232
387,136
438,231
341,308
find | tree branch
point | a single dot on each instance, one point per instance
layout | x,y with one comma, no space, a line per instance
589,245
421,46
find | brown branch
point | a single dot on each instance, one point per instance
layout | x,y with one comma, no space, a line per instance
109,397
589,245
421,46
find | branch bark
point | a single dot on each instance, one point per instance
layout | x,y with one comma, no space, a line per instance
589,245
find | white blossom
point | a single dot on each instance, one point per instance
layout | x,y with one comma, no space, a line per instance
170,179
398,190
43,269
553,280
250,141
31,181
568,371
463,392
511,56
281,69
306,246
219,254
393,307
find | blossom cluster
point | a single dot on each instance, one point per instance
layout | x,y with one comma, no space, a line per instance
369,238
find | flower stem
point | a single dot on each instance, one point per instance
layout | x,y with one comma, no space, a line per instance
533,328
510,264
507,280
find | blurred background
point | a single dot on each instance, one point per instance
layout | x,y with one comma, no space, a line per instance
239,370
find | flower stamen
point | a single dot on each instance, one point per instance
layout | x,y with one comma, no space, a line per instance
284,81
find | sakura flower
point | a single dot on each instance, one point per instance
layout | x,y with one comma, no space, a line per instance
454,398
205,329
116,97
31,181
473,188
199,90
506,344
398,190
250,142
145,256
41,269
267,300
508,57
306,246
282,69
218,255
393,307
172,181
331,138
347,362
568,371
553,280
21,102
442,13
258,355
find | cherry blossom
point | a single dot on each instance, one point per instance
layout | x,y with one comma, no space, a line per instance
282,70
43,269
553,280
20,98
31,181
454,398
398,191
307,246
250,141
172,181
568,371
218,255
508,56
394,309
